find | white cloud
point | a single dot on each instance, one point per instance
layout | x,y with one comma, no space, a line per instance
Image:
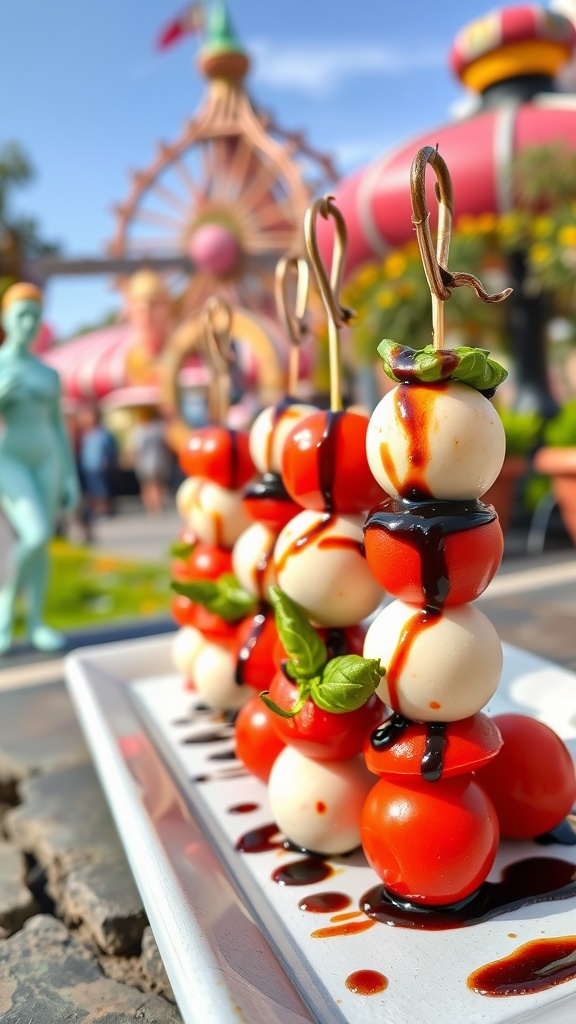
322,70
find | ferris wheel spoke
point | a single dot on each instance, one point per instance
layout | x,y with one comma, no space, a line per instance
259,187
209,160
169,196
162,220
238,168
190,184
222,185
273,215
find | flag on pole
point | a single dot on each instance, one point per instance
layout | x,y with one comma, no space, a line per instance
189,21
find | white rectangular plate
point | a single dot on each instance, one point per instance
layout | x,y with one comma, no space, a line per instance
235,943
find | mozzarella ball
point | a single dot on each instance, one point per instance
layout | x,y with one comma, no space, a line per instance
186,494
270,430
186,647
217,515
317,804
320,564
443,667
443,440
252,560
215,678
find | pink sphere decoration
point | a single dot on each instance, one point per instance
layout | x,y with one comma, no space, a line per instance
214,249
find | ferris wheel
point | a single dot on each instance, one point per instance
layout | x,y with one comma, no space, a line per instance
229,194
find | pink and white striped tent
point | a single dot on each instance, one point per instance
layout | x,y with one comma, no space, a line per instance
94,366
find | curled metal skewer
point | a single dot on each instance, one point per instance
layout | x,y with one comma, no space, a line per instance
441,281
292,315
217,326
338,315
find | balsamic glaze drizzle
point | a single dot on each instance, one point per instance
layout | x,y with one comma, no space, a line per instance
432,764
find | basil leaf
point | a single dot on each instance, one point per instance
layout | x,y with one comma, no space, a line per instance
306,652
181,549
346,683
200,591
428,365
224,596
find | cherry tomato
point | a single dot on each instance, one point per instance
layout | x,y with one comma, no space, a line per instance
257,637
470,743
323,735
257,743
205,562
324,464
430,842
208,562
215,628
218,454
183,610
532,781
398,553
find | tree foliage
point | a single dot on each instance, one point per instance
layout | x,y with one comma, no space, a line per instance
20,237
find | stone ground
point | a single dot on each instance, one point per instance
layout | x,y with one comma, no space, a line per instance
75,944
74,941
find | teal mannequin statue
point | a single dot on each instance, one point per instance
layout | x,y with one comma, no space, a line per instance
37,471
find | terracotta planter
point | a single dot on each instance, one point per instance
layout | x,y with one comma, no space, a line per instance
560,465
501,494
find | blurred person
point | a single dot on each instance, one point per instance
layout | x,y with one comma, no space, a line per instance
152,460
97,461
37,472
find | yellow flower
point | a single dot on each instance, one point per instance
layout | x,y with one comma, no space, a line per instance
466,224
385,299
507,224
542,226
567,235
395,265
486,222
412,249
540,253
367,276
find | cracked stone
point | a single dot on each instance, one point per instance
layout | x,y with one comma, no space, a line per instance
16,901
64,823
153,967
105,897
48,975
38,733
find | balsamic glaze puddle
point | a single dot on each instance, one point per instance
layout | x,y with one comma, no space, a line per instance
524,883
223,755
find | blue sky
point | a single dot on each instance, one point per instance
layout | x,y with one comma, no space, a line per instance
88,97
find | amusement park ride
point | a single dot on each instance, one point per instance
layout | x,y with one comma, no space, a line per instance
215,210
217,207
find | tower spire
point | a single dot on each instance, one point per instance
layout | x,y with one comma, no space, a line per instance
222,55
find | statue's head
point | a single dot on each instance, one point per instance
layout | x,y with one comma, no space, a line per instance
21,313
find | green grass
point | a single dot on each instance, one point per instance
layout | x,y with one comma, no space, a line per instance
90,588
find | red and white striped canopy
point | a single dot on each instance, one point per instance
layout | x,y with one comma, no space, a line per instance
95,365
479,150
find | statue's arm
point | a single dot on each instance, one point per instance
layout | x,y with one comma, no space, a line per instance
10,385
